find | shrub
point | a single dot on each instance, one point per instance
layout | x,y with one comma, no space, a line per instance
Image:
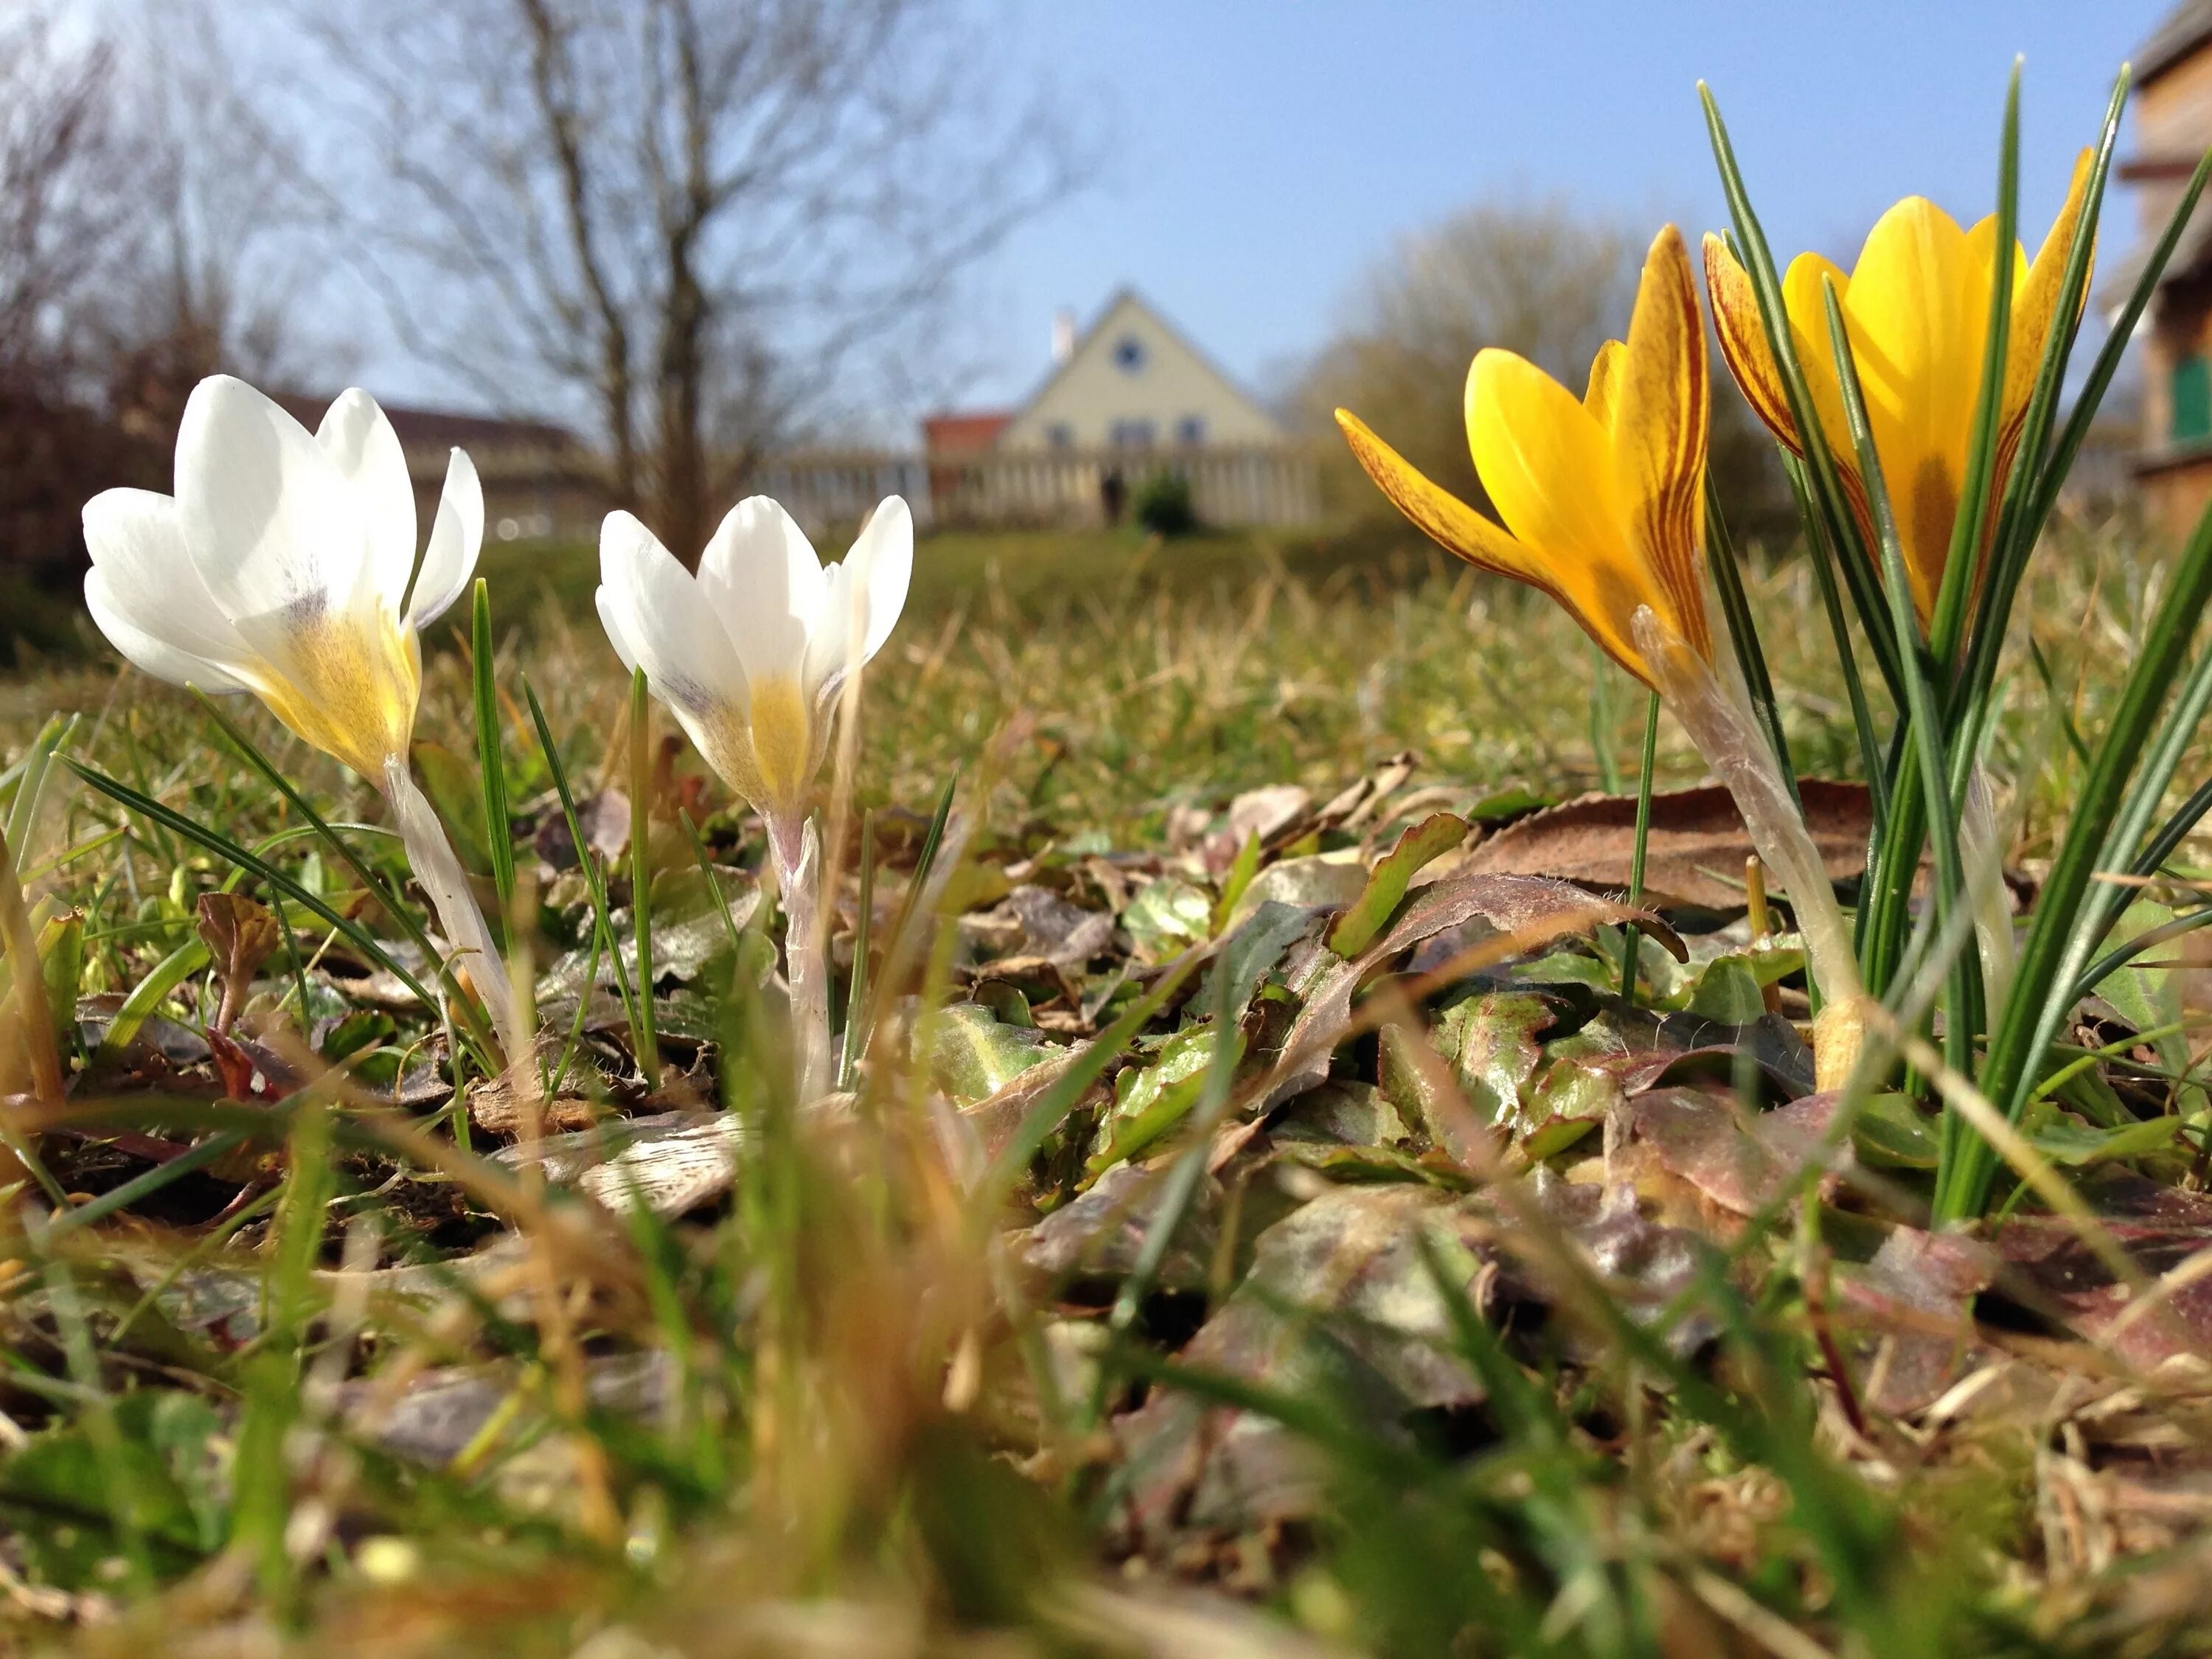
1163,505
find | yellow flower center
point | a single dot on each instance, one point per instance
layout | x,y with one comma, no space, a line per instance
783,738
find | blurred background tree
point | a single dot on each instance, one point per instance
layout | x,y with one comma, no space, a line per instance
1542,278
682,220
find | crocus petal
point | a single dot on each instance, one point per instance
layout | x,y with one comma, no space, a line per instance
1743,340
1918,306
610,618
456,538
661,623
2035,301
1605,382
269,522
759,577
1437,512
357,436
159,657
1804,301
1658,430
882,564
138,547
841,619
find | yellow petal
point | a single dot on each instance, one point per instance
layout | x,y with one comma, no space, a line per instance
1918,310
1743,341
1548,465
2035,300
1604,383
1659,435
1436,512
1804,301
346,683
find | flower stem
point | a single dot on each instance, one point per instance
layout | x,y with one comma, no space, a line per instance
1728,736
1630,933
796,851
439,870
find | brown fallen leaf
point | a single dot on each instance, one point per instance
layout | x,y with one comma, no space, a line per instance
1696,849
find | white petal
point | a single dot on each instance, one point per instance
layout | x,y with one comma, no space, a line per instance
760,575
837,623
881,562
158,657
147,578
658,622
359,440
270,523
456,538
611,619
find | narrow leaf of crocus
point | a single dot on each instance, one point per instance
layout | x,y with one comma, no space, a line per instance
1758,260
499,830
1423,844
1973,517
2058,947
1962,1013
641,870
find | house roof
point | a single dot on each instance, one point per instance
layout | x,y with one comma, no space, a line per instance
2186,27
1127,293
442,429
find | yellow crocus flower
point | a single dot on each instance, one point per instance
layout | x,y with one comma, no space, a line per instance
1915,308
1602,504
1603,496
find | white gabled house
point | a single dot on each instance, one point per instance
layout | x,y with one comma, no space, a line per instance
1129,397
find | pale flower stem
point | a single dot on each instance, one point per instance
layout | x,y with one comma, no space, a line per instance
1985,887
796,850
438,869
1727,735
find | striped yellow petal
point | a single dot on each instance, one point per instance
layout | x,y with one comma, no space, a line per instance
1659,435
1435,511
1605,382
2035,301
1549,466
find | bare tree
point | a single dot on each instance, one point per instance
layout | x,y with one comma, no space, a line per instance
688,216
62,196
1541,278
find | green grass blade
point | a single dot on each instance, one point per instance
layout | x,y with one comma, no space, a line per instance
2058,946
1743,634
1962,1020
595,880
222,845
1630,934
1820,465
641,871
1971,519
855,1036
499,828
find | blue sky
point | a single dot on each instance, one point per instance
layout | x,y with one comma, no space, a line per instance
1264,150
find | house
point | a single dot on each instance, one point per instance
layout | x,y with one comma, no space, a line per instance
1127,398
539,480
2173,130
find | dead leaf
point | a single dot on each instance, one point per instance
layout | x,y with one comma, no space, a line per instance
240,934
1905,1315
1696,849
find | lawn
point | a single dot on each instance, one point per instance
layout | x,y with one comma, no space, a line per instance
1165,1281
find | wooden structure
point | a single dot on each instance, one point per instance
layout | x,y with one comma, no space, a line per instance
2173,128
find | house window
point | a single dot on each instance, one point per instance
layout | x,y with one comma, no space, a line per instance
1129,354
1191,430
1132,435
2193,399
1060,435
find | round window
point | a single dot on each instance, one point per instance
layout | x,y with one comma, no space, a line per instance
1128,354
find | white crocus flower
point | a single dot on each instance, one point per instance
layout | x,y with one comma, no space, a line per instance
284,565
751,655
